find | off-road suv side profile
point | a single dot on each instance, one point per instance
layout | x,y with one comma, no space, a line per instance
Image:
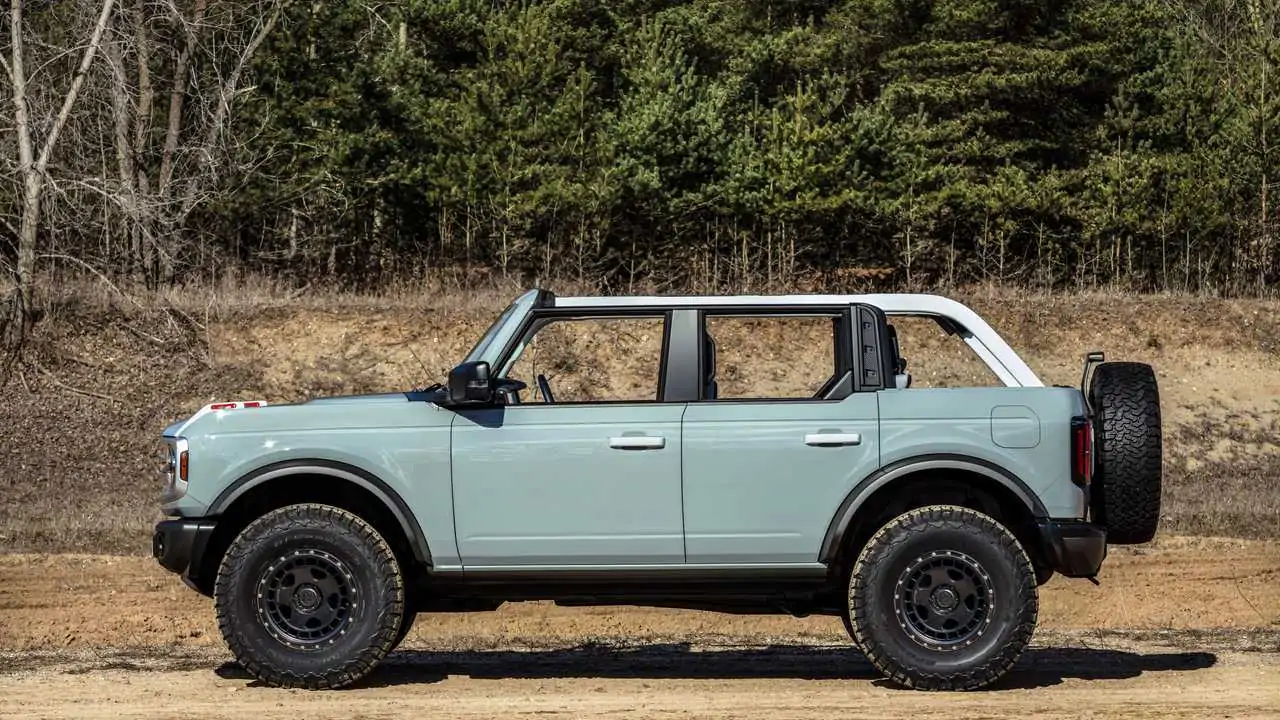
813,479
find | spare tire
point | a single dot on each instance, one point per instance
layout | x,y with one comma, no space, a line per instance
1125,492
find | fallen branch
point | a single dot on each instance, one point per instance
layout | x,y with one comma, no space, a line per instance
82,362
1249,602
158,342
191,322
87,393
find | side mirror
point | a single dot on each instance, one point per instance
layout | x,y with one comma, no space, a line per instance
470,383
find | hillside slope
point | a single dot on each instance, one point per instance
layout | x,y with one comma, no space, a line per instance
78,428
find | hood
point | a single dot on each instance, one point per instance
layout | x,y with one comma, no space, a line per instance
360,399
177,428
348,411
433,394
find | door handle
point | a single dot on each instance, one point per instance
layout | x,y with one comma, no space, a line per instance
832,439
638,442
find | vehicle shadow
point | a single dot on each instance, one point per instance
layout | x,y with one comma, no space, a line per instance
1038,667
1042,667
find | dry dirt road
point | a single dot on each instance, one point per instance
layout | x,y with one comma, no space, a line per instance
1184,628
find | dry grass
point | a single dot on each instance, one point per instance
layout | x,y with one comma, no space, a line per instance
106,371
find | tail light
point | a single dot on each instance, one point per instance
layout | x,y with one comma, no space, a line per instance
1081,451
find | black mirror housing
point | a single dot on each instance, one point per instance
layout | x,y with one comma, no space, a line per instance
470,383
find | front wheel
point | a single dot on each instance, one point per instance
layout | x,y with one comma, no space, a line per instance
309,596
943,598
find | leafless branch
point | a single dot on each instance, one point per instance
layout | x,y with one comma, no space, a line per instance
92,270
227,92
73,92
177,94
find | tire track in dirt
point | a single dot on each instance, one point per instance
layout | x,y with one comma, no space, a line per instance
1071,676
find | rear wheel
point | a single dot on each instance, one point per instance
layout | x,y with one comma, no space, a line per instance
309,596
1125,492
943,598
405,626
847,620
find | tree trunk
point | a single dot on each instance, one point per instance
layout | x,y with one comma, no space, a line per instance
181,74
121,111
176,97
18,312
143,246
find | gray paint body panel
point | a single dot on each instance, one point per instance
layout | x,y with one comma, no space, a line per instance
542,485
754,491
957,421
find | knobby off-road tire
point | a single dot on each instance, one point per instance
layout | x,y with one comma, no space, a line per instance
309,596
847,619
943,598
1125,492
406,624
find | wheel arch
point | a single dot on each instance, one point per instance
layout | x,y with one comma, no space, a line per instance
927,480
298,481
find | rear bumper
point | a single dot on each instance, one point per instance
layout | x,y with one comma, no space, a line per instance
178,545
1073,548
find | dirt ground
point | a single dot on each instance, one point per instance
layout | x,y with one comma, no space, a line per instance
1183,628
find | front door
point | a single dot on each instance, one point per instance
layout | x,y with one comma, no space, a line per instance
583,469
778,439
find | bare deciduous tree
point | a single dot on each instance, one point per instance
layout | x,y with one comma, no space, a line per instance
109,156
164,176
35,150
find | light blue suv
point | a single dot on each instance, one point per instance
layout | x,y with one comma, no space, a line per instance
740,454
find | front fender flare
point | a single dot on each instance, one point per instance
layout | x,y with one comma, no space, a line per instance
854,501
342,471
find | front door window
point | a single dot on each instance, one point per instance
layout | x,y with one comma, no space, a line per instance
590,360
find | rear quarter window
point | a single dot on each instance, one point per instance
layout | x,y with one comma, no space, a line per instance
938,360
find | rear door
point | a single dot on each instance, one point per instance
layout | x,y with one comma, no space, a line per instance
778,436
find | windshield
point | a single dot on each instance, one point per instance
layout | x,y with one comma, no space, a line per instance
477,352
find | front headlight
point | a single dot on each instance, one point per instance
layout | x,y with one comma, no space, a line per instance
176,463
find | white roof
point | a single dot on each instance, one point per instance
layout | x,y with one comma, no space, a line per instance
980,336
895,303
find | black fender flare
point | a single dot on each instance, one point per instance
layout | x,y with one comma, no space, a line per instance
342,471
854,501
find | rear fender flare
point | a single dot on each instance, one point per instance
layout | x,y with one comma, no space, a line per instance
854,501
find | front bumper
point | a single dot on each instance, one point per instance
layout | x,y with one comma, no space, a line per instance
178,545
1075,549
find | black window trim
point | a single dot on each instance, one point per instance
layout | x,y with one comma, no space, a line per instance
538,314
846,361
